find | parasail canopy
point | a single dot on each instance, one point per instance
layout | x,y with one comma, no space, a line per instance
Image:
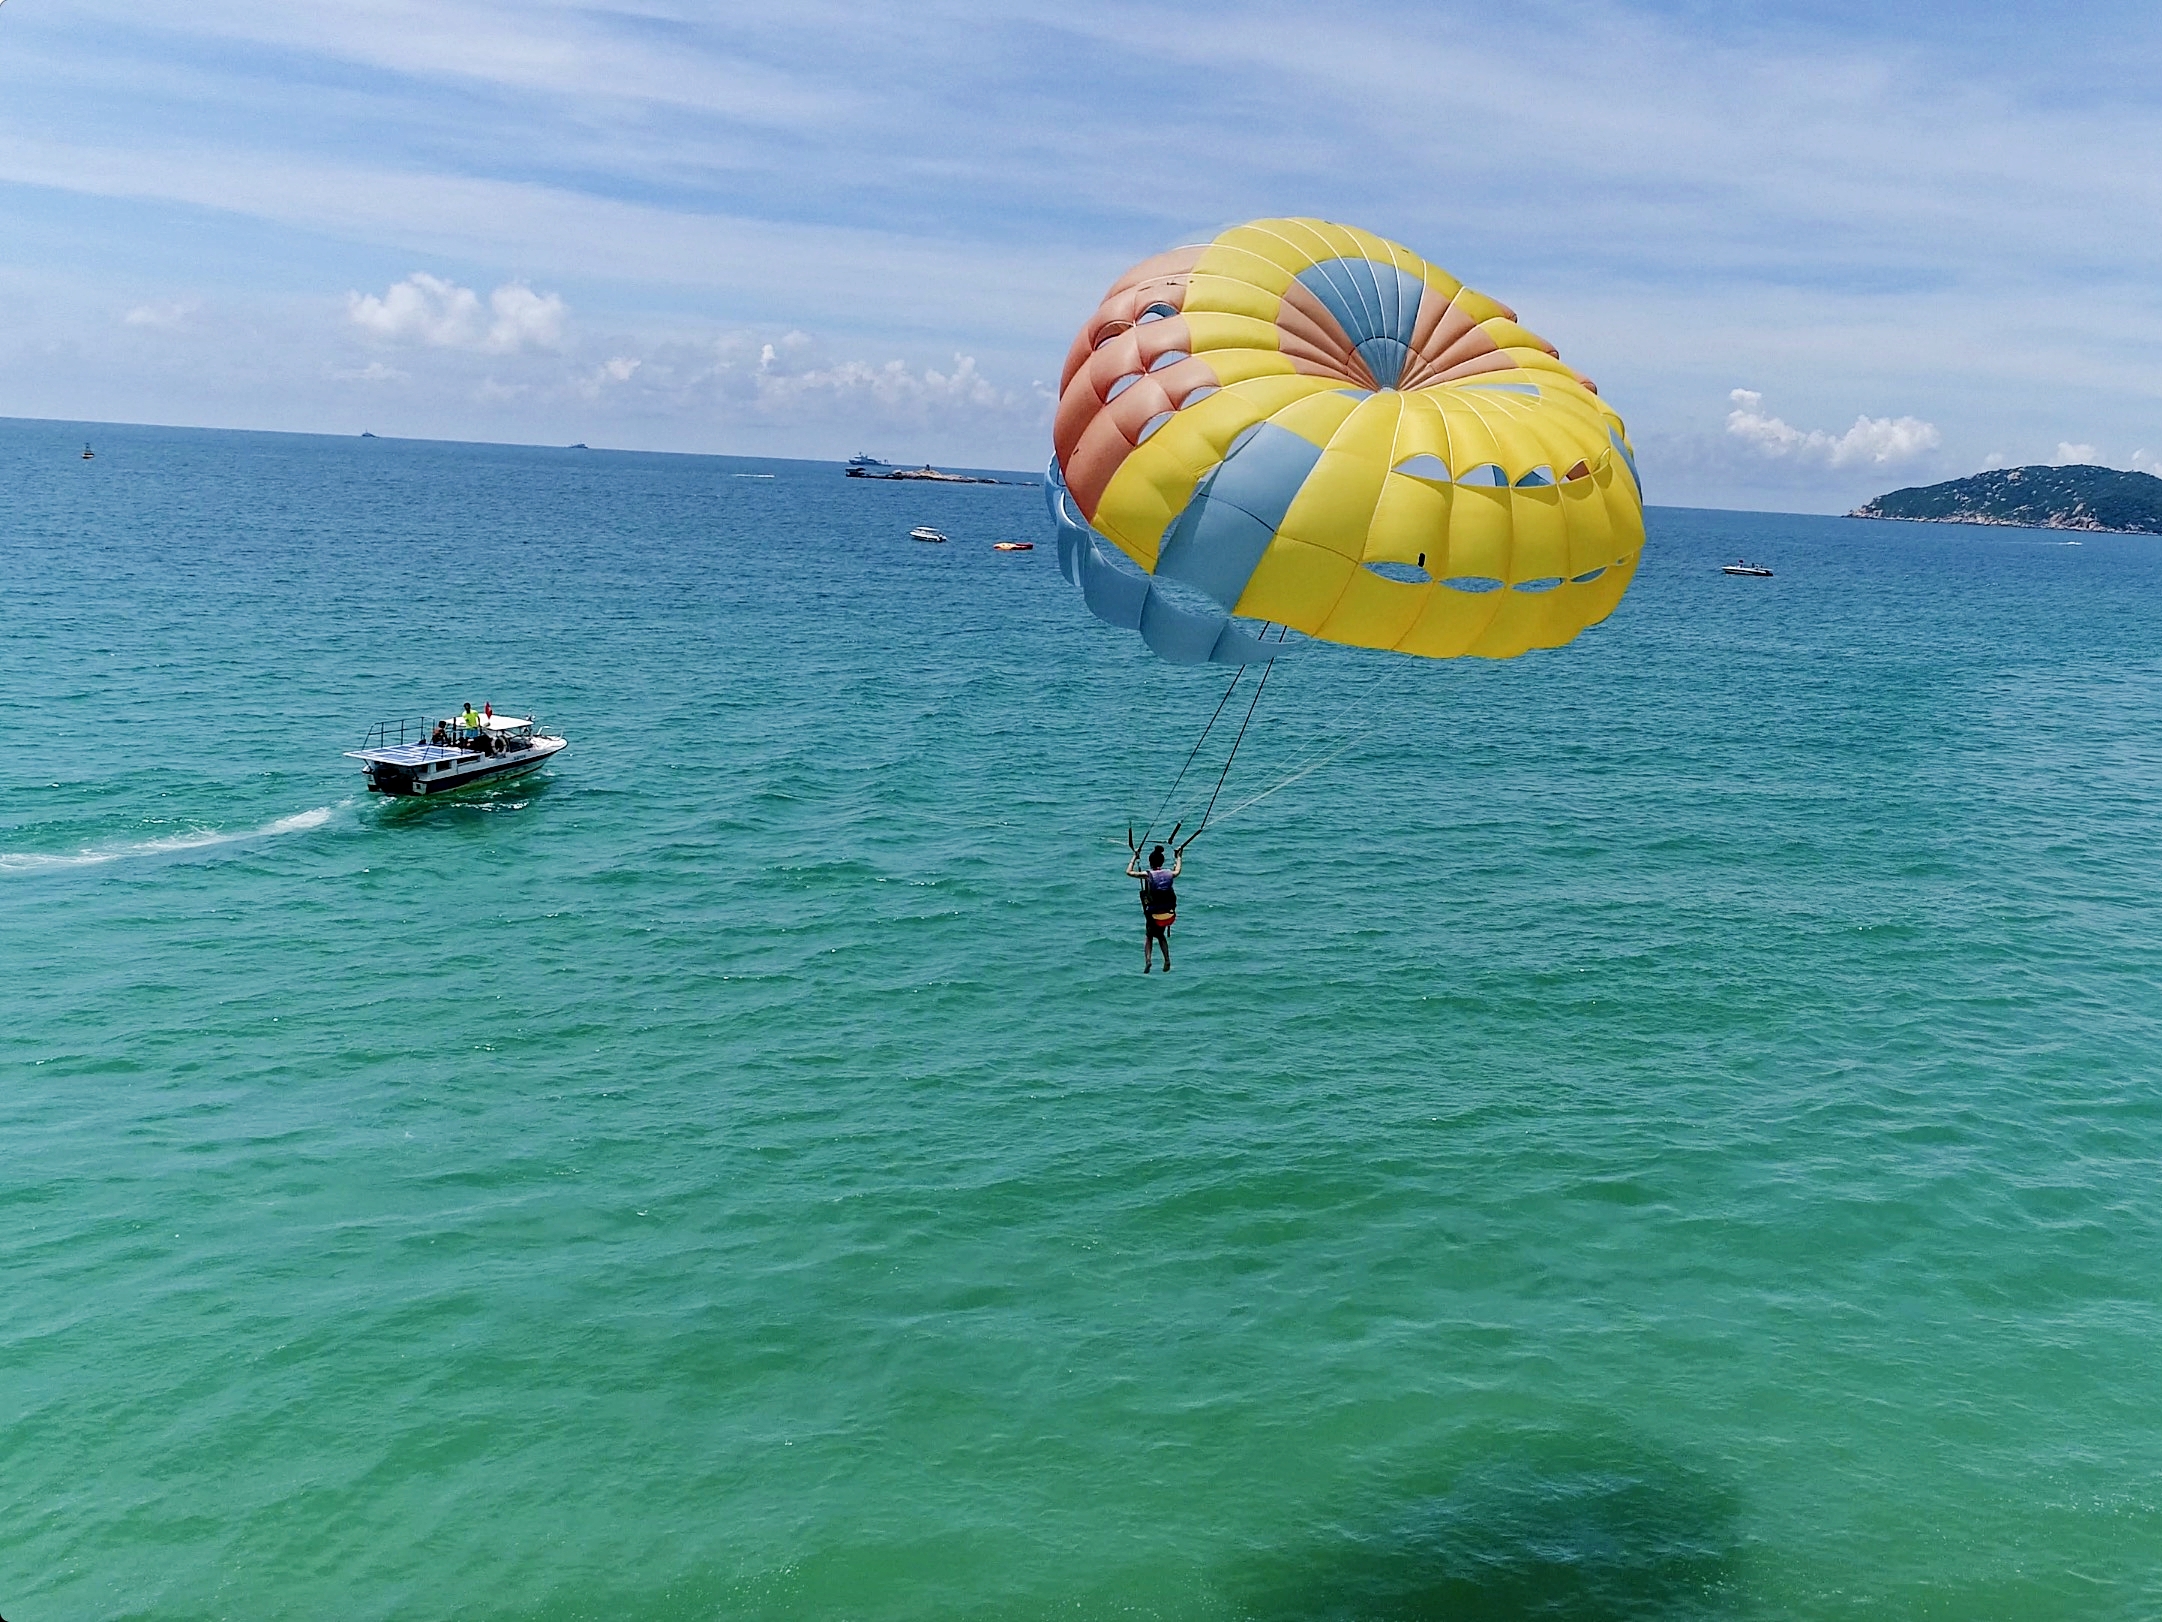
1308,426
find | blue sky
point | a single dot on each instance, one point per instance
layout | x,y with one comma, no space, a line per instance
1810,252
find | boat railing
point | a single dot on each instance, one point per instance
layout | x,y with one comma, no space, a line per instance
390,734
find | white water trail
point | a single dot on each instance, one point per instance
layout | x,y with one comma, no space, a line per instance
195,839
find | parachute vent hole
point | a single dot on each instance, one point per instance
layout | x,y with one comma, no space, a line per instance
1582,470
1424,466
1472,583
1587,577
1487,474
1537,479
1547,584
1156,312
1153,424
1170,357
1202,393
1122,385
1110,332
1410,574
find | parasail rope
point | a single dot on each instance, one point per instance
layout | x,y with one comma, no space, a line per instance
1311,764
1237,676
1259,687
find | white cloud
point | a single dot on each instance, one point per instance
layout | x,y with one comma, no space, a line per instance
163,314
2144,461
430,310
890,385
2071,455
1872,441
374,372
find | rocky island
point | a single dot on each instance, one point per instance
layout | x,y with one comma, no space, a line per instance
2084,497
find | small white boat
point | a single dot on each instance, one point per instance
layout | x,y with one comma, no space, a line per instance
1744,566
863,462
924,532
452,755
89,455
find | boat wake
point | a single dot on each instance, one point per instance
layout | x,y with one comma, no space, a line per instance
194,839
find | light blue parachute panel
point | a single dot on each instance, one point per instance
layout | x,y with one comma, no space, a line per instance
1377,305
1218,541
1072,533
1177,633
1116,596
1621,446
1183,630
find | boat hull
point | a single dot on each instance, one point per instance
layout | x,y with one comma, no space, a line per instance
404,783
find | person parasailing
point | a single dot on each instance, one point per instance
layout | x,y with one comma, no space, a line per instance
1159,902
1299,426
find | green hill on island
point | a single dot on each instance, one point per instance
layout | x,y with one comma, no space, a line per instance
2098,498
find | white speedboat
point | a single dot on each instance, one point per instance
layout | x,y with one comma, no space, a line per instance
924,532
1744,566
452,755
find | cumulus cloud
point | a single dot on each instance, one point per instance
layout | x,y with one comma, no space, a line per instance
431,310
1872,441
374,372
2144,461
163,314
2071,455
892,386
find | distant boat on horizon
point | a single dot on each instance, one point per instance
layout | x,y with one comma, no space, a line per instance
864,459
89,455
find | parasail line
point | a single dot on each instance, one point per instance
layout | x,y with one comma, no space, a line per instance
1259,687
1306,771
1310,764
1237,676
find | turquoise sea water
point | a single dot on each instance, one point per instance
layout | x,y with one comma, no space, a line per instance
1664,1129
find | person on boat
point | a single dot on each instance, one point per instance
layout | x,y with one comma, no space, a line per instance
441,735
1159,903
469,718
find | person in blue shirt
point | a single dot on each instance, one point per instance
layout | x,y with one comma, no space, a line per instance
1159,903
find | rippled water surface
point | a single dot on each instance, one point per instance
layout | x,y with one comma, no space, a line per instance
1663,1129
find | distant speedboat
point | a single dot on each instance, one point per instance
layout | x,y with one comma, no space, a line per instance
89,455
1744,566
1013,546
924,532
862,460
